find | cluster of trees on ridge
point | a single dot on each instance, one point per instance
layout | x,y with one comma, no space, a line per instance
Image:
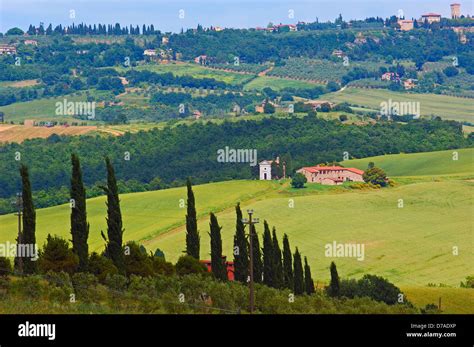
120,263
165,157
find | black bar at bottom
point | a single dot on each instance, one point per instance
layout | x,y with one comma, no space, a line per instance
393,330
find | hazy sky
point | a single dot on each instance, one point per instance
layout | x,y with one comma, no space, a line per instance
164,14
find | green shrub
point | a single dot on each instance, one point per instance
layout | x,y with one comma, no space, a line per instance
101,266
28,287
375,176
87,288
298,181
5,267
469,282
116,282
371,286
137,262
162,267
187,265
57,256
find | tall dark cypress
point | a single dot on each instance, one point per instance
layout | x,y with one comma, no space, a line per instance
268,259
241,251
192,234
333,289
217,261
114,248
308,280
257,256
277,262
287,264
79,225
298,273
28,234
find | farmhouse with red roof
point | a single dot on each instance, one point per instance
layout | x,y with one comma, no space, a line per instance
228,264
331,175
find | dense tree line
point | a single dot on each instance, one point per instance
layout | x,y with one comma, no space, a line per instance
171,154
96,29
168,79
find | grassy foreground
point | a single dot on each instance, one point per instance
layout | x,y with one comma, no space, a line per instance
411,246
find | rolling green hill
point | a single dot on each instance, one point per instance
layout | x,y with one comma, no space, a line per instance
411,246
447,107
415,164
144,214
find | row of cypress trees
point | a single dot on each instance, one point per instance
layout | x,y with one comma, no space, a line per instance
79,224
272,266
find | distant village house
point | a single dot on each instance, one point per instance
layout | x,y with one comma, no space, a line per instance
431,18
331,175
7,49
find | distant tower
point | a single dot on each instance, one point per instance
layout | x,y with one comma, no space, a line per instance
455,11
265,170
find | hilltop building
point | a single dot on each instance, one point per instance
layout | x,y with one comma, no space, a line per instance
150,52
31,42
202,60
431,18
279,27
331,175
7,49
406,24
338,53
455,11
390,76
318,104
409,84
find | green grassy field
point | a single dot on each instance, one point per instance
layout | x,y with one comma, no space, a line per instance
40,109
453,300
195,71
276,83
447,107
145,214
416,164
410,245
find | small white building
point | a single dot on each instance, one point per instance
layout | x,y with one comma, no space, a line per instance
265,167
265,170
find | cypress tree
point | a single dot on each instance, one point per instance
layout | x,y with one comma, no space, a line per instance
217,262
257,257
192,233
308,280
278,265
241,251
333,289
79,225
114,249
268,258
28,234
287,264
298,273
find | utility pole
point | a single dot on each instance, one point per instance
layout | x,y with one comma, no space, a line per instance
251,221
19,206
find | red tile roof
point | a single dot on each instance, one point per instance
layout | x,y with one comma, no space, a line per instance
431,15
314,169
